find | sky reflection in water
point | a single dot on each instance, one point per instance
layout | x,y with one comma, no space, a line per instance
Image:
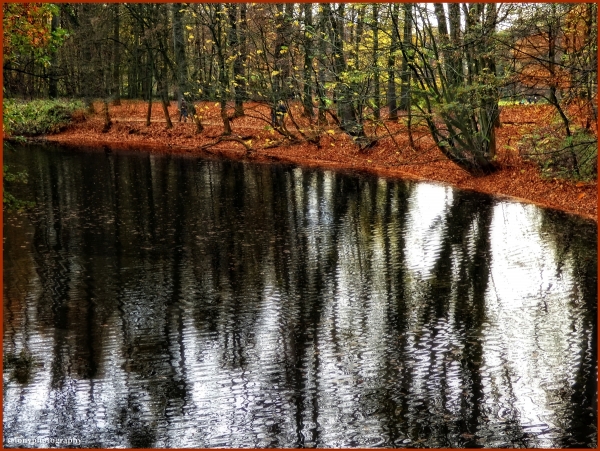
177,302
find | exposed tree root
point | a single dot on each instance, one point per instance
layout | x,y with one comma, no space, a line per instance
222,138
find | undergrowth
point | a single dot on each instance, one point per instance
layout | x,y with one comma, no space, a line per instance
39,117
9,201
570,157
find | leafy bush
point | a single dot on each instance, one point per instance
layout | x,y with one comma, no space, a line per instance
38,117
8,200
573,157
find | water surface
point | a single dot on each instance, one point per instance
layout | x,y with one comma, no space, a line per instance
163,301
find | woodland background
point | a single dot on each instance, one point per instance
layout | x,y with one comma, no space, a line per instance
449,68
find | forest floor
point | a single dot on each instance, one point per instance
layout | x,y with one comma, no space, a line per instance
391,157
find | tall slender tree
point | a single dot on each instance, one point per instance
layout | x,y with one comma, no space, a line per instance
392,100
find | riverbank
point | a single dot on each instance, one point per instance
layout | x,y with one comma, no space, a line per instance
391,157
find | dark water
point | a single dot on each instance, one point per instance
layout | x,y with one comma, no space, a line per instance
155,301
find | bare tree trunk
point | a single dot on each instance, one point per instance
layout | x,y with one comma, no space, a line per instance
456,60
149,111
320,76
116,54
245,71
491,103
376,80
281,55
391,66
179,51
444,42
199,126
107,121
358,101
308,60
164,96
234,45
405,70
223,85
341,92
225,118
350,118
52,82
86,66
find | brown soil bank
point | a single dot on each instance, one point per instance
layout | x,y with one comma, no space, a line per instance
391,157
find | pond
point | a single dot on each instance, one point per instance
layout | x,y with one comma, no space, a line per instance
164,301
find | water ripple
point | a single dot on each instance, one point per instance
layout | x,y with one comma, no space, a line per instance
218,304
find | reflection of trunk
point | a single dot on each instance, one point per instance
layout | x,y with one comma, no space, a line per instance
176,390
479,274
467,285
577,241
399,298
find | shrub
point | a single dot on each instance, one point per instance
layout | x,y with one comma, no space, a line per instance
38,117
573,157
9,201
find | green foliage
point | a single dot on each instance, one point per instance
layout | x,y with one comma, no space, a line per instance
27,31
38,116
10,201
573,157
19,177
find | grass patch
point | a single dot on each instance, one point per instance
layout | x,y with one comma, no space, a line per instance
39,117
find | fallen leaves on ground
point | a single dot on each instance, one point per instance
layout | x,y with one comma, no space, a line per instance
391,157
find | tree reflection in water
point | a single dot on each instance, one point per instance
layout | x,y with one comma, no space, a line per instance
176,302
